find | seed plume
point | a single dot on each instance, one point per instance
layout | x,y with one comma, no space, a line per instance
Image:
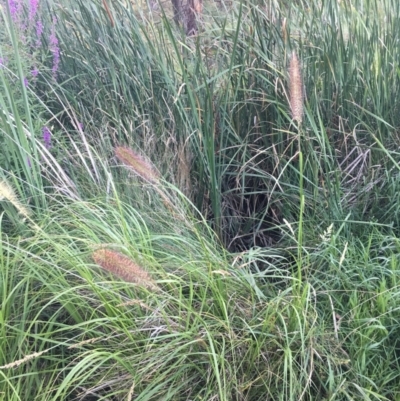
137,163
7,193
123,267
296,89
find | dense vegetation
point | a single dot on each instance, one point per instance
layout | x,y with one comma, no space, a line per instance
180,221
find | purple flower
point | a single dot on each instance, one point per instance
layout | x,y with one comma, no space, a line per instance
13,9
39,31
54,48
80,126
16,11
33,7
35,72
46,137
26,82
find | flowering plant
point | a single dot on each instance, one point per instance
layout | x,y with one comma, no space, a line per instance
29,27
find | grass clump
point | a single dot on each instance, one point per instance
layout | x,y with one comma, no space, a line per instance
240,185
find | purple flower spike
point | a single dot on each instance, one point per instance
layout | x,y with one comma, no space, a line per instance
35,72
46,137
33,7
13,9
26,82
54,48
39,31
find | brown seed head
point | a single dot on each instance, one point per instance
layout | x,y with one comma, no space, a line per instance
296,89
123,267
137,163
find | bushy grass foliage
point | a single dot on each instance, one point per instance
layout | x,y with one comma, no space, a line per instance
176,226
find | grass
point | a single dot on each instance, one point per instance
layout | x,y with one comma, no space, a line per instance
197,227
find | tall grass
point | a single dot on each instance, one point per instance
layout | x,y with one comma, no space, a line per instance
193,232
220,102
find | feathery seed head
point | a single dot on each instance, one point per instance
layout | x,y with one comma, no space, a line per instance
7,193
123,267
296,89
137,163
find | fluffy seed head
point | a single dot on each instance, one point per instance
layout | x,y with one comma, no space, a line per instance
137,163
123,267
296,89
7,193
